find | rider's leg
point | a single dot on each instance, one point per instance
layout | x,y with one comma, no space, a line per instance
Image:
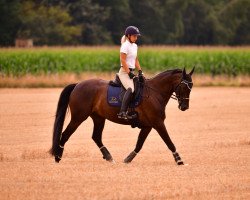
128,84
125,103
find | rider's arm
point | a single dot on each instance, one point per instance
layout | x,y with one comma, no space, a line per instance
137,64
123,57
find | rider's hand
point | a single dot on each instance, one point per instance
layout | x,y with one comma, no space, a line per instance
141,77
131,75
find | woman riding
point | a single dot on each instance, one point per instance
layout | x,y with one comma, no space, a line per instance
129,61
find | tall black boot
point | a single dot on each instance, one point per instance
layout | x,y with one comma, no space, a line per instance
125,102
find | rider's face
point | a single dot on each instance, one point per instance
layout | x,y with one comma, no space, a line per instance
133,38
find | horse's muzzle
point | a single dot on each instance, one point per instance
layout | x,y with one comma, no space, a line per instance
183,107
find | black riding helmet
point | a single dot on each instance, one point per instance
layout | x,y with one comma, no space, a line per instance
132,30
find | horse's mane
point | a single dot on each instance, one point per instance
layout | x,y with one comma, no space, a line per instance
173,71
167,72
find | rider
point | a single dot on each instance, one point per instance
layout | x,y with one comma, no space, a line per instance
129,61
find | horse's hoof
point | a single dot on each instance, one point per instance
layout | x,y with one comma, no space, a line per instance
57,159
126,161
112,161
179,162
109,159
106,155
130,157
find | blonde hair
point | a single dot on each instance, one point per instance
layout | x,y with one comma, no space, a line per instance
123,39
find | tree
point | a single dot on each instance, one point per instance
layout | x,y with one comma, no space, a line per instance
46,24
97,22
147,15
92,17
173,21
119,17
198,23
235,17
9,21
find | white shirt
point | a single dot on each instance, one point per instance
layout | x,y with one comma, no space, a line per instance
131,50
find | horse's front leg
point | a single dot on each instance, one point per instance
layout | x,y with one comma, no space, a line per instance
161,129
141,139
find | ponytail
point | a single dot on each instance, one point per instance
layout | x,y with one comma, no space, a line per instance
123,39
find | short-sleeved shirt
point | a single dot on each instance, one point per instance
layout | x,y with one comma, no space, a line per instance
131,50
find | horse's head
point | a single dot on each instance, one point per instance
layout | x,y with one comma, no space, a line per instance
183,90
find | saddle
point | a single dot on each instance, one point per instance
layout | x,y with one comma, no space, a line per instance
116,92
115,95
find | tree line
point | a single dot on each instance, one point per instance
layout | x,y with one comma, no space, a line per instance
102,22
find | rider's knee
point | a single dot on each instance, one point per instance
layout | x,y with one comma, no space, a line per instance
130,90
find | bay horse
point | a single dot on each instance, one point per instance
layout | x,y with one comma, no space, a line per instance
89,99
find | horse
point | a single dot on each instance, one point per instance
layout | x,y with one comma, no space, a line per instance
89,99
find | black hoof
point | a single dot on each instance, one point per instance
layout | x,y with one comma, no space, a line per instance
108,158
57,159
180,162
130,157
127,160
106,155
59,153
177,159
111,160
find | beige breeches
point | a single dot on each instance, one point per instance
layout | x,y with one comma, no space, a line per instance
126,81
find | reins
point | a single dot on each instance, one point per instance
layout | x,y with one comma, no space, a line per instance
173,96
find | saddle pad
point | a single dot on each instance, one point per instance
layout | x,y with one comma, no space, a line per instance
113,97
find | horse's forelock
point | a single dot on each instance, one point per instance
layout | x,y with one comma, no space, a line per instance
187,77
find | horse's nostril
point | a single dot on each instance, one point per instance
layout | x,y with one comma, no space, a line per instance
183,108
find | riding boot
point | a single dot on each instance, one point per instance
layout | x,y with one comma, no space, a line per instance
125,103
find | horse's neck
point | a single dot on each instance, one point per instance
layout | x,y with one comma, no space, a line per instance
165,85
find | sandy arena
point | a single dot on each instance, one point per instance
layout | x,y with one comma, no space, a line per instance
213,137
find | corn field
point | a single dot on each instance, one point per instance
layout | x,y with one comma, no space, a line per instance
207,60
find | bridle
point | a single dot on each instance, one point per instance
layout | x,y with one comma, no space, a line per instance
178,96
175,96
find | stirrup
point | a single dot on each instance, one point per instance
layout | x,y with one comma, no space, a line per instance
132,116
122,115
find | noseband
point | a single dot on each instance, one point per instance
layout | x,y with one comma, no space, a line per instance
178,96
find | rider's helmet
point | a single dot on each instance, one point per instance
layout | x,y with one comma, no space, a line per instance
132,30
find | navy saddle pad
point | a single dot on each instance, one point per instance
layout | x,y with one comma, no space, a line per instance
114,97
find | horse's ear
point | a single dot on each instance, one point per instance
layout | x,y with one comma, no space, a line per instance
192,71
184,73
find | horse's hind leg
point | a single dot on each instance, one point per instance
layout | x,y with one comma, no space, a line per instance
99,123
72,126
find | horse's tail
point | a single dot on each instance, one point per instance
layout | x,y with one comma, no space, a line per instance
60,116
